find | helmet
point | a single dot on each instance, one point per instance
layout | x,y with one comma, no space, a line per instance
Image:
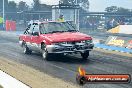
61,16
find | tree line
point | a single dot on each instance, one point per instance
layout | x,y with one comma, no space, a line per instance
12,6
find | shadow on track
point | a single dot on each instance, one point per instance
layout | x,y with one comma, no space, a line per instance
70,59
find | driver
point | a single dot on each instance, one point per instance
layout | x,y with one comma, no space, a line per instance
61,18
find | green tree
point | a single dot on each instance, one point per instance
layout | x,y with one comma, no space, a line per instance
68,2
36,5
116,9
123,10
12,6
44,7
84,4
22,6
111,9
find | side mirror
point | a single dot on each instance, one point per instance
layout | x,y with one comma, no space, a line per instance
36,33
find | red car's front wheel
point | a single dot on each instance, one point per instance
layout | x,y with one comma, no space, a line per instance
45,53
26,50
85,55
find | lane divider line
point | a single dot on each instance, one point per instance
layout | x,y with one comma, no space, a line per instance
7,81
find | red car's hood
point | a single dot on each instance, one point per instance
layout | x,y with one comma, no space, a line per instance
67,37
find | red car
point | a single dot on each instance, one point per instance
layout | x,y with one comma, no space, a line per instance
55,38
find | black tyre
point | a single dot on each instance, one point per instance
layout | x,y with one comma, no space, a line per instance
85,55
45,54
26,50
81,80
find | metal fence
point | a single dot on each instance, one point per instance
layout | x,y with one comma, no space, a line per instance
88,22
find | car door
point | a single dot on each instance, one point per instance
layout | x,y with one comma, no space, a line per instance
35,40
28,33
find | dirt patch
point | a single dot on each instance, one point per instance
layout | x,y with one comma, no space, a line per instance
32,77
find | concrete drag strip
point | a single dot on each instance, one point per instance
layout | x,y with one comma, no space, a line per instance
31,77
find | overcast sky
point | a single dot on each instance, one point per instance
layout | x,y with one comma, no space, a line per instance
95,5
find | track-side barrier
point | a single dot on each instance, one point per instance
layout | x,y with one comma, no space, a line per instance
125,42
117,43
10,25
123,29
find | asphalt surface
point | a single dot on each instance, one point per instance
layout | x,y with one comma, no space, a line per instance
66,67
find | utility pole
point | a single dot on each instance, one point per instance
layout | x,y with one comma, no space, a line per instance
3,14
77,15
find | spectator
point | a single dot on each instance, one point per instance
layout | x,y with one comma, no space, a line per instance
61,18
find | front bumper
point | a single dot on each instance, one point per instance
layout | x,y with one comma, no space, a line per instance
69,48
